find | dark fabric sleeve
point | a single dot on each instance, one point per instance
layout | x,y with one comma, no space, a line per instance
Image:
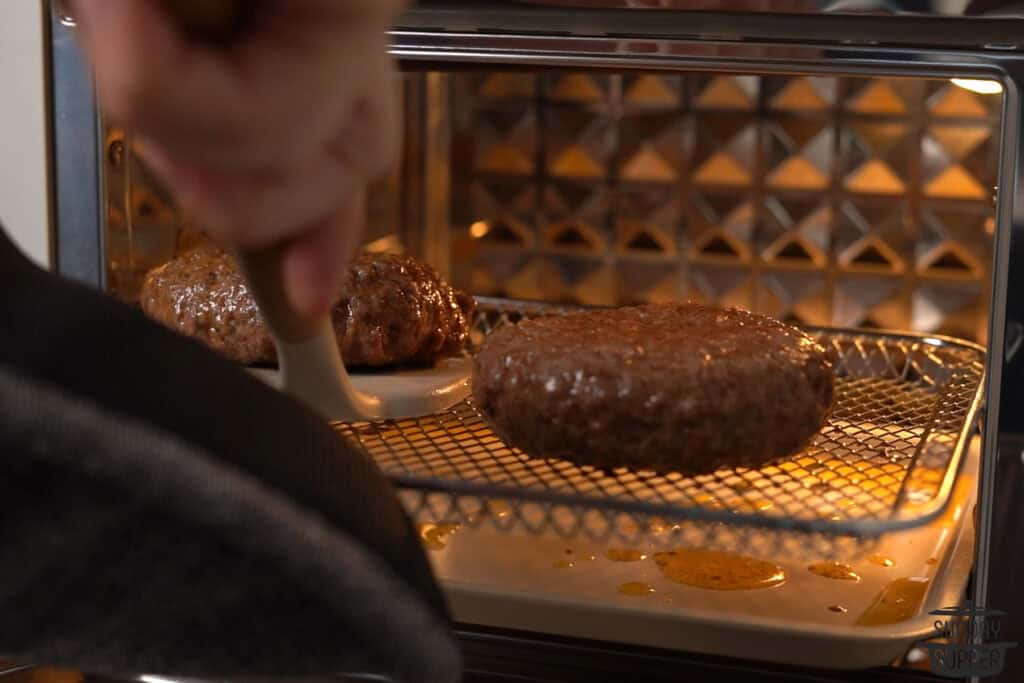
102,354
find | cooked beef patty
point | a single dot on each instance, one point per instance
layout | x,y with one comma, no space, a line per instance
391,309
663,387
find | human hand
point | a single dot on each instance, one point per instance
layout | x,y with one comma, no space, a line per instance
268,138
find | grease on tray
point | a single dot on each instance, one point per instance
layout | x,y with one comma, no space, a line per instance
898,601
434,536
636,588
881,560
625,555
718,570
834,570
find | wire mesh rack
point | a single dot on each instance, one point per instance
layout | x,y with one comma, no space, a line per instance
886,460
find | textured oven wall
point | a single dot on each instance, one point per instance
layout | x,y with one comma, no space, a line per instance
24,207
828,201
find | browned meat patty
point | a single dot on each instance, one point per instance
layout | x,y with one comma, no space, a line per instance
391,309
662,387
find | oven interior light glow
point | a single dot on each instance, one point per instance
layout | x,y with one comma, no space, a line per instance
980,86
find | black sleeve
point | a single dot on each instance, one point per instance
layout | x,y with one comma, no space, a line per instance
95,349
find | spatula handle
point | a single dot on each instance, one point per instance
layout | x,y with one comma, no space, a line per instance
309,362
263,271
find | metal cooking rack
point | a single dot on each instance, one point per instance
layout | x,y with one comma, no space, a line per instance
886,460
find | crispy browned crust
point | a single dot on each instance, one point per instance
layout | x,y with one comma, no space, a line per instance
663,387
391,309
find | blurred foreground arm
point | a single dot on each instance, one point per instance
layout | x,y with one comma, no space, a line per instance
268,137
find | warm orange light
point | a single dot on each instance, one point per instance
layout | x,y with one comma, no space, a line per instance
479,229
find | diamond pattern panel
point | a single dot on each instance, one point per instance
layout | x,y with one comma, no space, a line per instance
511,203
797,296
877,156
799,154
725,92
506,140
871,301
655,139
947,101
958,161
796,231
652,91
721,227
810,94
860,202
794,235
798,134
645,280
722,285
580,87
578,143
872,236
505,86
575,215
821,200
652,147
647,218
949,308
887,97
955,242
725,153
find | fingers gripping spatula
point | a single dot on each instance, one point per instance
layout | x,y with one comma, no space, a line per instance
310,365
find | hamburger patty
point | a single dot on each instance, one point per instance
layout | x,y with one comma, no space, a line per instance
391,309
663,387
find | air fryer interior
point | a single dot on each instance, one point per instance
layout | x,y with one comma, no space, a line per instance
824,200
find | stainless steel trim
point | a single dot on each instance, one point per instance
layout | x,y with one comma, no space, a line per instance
78,244
61,11
809,29
475,50
12,669
1014,340
437,181
957,8
426,172
1000,515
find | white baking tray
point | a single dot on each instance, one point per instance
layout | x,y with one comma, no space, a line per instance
510,580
